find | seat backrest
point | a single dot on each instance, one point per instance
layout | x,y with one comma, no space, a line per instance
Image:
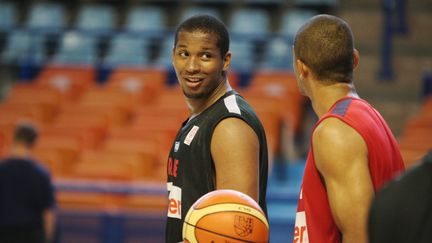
96,18
165,53
76,48
8,15
189,12
242,51
23,46
249,21
146,18
46,17
278,54
293,19
128,50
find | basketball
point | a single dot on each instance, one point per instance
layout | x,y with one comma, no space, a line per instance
225,216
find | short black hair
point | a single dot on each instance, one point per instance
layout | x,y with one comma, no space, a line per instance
206,24
26,133
326,45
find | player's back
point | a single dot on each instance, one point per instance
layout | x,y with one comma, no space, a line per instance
385,160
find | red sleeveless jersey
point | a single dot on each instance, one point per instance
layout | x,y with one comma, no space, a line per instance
314,221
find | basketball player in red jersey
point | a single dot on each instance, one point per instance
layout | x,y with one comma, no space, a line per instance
352,150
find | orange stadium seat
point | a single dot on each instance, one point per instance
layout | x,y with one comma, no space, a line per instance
149,150
71,81
112,165
63,148
41,102
108,98
143,82
114,116
163,138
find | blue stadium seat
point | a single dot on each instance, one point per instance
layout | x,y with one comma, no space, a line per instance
22,46
278,54
148,21
165,52
292,20
213,1
316,3
8,16
76,48
243,59
189,12
253,23
264,2
128,49
96,19
46,18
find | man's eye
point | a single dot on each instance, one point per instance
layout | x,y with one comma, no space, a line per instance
182,54
206,55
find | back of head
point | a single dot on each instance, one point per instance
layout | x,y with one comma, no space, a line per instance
325,44
26,134
206,24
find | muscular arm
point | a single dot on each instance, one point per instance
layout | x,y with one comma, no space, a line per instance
235,151
341,157
49,224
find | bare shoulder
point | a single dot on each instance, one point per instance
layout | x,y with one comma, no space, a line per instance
233,134
232,127
335,142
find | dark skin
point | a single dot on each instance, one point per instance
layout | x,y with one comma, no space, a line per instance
200,69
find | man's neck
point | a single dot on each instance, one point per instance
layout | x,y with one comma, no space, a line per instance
324,96
20,151
196,106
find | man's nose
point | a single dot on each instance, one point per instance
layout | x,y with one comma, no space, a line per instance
193,65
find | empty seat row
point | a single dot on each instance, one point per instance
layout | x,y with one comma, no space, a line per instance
75,48
416,139
102,19
133,118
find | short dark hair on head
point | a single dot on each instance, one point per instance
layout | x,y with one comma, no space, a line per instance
206,24
326,45
25,133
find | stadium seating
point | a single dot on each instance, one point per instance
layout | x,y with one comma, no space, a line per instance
191,11
147,21
9,16
76,49
96,19
46,17
22,46
252,23
128,50
416,140
277,55
292,20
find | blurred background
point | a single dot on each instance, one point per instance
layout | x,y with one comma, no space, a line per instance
96,77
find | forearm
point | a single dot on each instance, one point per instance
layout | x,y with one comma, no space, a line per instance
49,225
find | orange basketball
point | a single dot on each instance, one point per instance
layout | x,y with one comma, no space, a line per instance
225,216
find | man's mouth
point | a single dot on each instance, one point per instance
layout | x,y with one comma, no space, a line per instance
194,79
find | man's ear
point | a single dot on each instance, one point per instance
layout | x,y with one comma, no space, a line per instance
356,59
302,68
227,61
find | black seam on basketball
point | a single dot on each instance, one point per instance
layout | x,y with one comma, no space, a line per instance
239,203
223,234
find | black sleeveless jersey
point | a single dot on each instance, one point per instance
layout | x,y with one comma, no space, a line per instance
190,167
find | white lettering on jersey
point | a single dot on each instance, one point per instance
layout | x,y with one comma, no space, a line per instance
300,230
176,146
231,104
174,207
190,136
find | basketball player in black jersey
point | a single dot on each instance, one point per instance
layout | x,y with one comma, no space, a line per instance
222,145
